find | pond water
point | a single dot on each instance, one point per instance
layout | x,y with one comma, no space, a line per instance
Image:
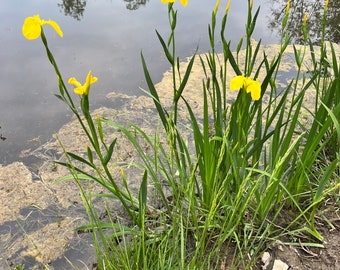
106,37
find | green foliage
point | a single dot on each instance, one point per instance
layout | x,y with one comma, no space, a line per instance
251,162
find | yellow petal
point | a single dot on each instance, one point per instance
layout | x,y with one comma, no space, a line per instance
90,79
80,90
74,82
287,7
184,2
255,90
237,82
247,83
83,89
227,7
31,28
255,95
54,25
217,6
305,19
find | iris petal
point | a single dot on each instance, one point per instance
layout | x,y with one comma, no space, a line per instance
74,82
54,25
168,1
184,2
251,86
237,82
80,90
248,84
83,89
31,28
255,90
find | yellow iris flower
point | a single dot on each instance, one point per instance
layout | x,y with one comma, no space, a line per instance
83,89
31,28
251,86
227,7
288,7
304,20
183,2
217,5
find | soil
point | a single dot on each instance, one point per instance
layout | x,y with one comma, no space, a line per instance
301,257
38,216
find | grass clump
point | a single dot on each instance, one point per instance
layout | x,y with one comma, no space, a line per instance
229,180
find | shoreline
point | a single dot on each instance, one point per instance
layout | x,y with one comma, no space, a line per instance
37,213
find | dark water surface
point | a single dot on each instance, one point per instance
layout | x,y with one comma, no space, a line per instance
105,36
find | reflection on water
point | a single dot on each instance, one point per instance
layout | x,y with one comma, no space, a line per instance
76,8
73,8
315,10
135,4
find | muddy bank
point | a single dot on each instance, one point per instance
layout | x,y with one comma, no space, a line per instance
38,216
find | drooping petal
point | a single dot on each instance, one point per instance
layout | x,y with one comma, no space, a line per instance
255,95
247,82
237,82
54,25
31,28
255,90
74,82
80,90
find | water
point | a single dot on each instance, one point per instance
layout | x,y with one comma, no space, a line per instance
106,38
